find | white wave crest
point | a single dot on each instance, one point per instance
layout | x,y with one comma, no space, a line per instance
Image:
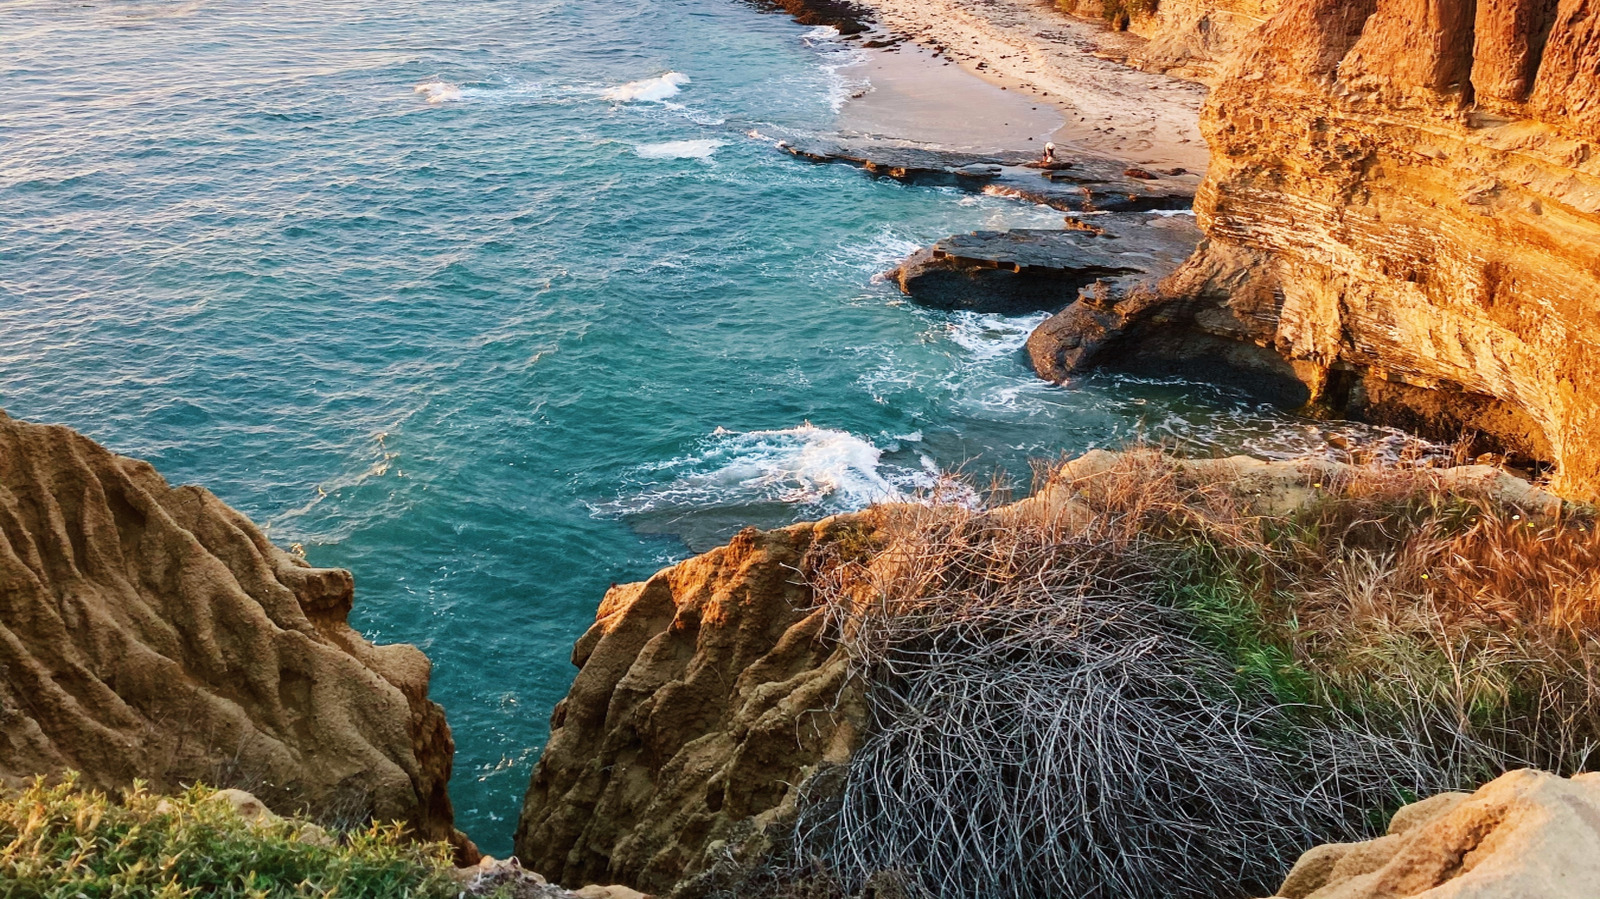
649,89
436,91
679,149
804,465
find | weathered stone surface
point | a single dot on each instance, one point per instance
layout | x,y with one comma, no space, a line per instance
706,699
1186,38
494,878
1525,834
152,632
1084,183
1026,270
849,18
1416,247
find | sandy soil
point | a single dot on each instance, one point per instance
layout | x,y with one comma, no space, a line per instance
1036,53
911,96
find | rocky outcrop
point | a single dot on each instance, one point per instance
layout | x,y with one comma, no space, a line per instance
152,632
1187,38
707,697
1027,270
1402,214
1525,834
847,17
1084,183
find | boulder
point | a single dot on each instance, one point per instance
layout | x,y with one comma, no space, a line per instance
1526,834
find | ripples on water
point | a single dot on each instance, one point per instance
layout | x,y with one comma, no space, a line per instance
495,303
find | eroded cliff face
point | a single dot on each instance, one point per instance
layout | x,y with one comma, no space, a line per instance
707,697
152,632
1424,187
1186,38
1403,215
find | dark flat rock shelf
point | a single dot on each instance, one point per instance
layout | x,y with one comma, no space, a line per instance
1031,270
1082,183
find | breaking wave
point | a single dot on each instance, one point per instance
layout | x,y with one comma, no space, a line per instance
436,91
804,465
649,89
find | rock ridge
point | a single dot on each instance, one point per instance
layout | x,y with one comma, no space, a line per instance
707,698
151,632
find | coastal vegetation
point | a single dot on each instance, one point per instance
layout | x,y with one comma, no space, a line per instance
63,840
1169,679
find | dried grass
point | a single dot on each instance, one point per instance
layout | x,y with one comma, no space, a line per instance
1161,690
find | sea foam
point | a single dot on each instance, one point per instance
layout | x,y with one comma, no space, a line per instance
436,91
679,149
649,89
990,336
804,465
836,56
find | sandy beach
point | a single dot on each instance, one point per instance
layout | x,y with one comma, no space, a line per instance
1052,67
907,94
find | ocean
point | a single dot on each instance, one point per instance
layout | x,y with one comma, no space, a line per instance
499,302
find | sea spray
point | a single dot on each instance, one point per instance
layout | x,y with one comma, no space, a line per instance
649,89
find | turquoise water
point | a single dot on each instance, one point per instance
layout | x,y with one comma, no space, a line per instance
467,298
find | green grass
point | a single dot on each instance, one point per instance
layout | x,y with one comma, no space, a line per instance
63,841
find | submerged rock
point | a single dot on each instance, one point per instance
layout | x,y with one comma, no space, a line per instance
151,632
1028,270
1526,834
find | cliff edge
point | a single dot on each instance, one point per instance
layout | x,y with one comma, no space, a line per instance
707,697
1402,217
1155,678
151,632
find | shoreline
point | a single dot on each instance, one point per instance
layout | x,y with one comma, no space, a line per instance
1030,55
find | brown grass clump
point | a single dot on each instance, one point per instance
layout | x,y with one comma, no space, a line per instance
1168,679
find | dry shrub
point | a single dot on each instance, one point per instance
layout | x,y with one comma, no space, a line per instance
1177,681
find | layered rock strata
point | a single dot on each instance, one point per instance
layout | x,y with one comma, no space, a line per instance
707,697
1185,38
151,632
1403,215
1527,833
1027,270
1084,183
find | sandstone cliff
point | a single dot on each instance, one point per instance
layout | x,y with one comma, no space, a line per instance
707,697
1526,834
932,692
1403,215
151,632
1186,38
